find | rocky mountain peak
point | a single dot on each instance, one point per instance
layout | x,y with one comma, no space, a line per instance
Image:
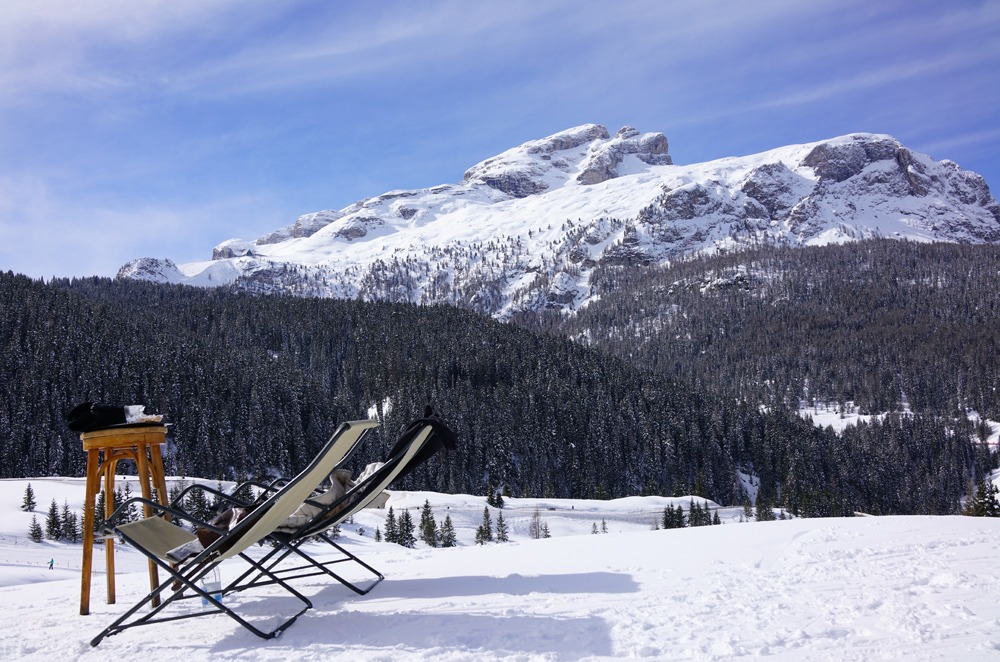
585,154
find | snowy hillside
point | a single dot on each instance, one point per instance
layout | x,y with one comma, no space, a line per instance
526,228
824,589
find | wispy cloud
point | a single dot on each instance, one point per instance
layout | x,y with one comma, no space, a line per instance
82,46
41,229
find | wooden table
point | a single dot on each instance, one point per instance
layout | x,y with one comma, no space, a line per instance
105,448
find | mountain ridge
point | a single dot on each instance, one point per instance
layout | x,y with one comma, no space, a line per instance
525,230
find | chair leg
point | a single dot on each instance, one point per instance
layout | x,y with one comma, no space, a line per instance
312,568
191,582
379,576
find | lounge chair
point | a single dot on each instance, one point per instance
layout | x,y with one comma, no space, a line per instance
419,442
158,539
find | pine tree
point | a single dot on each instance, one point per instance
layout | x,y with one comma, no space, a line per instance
448,538
545,530
99,506
174,491
378,534
131,511
699,515
715,517
391,528
53,527
405,532
28,504
984,502
502,535
428,527
116,501
673,518
198,505
694,514
35,530
217,502
762,507
244,493
484,533
70,527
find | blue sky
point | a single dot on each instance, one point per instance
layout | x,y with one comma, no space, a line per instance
161,128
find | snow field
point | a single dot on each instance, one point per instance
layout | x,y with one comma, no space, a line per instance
866,588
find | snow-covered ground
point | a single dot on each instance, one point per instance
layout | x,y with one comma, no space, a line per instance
841,417
914,588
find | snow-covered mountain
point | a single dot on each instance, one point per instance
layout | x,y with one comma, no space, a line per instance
527,228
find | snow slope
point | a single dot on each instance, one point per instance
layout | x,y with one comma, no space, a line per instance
914,588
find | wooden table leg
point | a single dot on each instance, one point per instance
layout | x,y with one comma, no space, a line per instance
109,506
143,466
159,481
93,480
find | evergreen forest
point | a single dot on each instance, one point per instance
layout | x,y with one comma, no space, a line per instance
683,382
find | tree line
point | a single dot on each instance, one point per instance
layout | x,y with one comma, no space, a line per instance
253,385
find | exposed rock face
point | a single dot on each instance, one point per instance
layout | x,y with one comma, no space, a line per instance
232,248
587,151
839,162
774,186
305,226
603,162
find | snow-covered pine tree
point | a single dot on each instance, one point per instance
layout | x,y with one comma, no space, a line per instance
502,534
217,501
35,532
428,527
484,533
391,528
28,504
405,533
674,518
984,502
99,506
68,521
117,499
132,511
198,505
762,508
448,538
53,527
